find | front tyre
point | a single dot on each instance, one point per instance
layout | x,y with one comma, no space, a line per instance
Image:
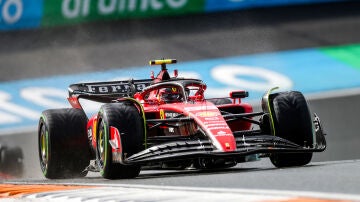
64,151
292,121
126,118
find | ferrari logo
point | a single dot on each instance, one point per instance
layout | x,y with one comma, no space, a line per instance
227,145
162,114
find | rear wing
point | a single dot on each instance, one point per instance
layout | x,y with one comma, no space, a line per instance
108,90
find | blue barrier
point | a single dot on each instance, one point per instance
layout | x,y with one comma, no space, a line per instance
223,5
25,14
20,14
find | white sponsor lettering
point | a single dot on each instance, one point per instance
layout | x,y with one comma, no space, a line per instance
212,118
115,88
85,7
81,8
176,3
101,88
196,108
107,6
219,128
140,87
208,114
75,8
71,8
12,11
171,114
222,133
216,124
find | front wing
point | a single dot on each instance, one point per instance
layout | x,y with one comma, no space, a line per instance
247,143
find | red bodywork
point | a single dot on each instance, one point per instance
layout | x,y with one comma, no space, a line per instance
207,116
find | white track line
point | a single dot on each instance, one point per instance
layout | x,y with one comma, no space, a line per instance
121,192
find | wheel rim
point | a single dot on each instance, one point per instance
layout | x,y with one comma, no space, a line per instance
44,150
101,147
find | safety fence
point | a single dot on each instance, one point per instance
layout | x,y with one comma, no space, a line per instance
30,14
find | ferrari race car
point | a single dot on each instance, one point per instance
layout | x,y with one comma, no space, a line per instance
11,162
166,122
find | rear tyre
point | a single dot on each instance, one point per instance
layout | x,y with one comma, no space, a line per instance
126,118
293,122
64,151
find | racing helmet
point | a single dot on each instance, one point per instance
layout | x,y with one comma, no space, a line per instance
170,95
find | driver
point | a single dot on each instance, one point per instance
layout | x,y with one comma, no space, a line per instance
170,95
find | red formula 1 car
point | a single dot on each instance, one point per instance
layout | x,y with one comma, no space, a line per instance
167,122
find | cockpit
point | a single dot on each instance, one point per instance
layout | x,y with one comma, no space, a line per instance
186,90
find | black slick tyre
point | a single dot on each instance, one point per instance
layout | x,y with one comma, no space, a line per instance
292,121
64,151
126,118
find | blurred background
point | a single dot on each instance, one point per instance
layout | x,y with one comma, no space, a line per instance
310,46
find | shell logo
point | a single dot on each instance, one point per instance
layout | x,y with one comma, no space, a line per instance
207,114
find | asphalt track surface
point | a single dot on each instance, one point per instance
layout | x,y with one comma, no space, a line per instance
101,46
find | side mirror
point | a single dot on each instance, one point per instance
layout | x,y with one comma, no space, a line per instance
239,94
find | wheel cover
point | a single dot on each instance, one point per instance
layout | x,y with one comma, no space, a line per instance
44,150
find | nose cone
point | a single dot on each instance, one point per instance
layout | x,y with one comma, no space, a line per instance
225,140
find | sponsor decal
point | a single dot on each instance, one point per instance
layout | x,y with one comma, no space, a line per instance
112,88
207,114
219,128
216,124
170,114
198,108
227,145
211,118
218,121
74,11
222,133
